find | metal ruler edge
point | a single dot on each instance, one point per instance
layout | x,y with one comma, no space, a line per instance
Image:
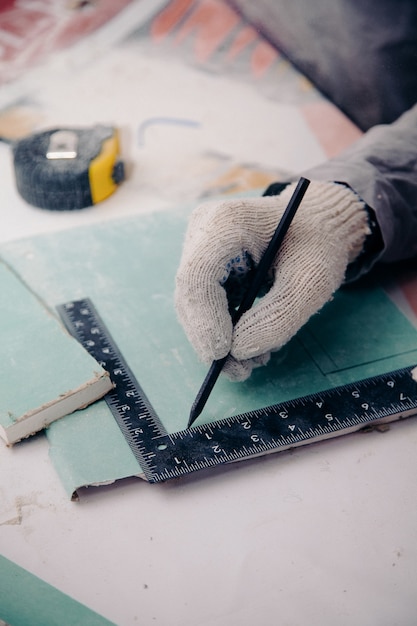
162,456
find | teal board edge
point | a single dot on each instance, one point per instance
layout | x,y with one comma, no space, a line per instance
26,600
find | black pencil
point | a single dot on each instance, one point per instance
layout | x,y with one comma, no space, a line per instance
248,299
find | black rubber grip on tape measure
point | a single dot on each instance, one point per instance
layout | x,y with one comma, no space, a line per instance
57,184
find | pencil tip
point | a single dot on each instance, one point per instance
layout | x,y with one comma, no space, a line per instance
205,389
193,416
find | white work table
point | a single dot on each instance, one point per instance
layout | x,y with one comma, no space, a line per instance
325,534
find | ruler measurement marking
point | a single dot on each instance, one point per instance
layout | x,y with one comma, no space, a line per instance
299,421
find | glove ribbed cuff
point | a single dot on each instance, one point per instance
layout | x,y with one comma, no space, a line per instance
338,211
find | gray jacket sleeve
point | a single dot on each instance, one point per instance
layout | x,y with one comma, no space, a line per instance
381,168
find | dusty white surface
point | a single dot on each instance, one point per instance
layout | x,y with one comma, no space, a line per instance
324,535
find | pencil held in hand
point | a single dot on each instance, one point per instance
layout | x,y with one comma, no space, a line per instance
257,281
224,245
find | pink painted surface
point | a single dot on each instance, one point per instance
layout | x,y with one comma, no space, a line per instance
209,25
409,289
30,31
334,131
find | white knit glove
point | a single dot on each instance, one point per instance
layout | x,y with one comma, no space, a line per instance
225,239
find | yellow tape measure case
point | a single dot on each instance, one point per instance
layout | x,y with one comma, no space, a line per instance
67,169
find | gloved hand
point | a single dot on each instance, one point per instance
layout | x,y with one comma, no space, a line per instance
224,240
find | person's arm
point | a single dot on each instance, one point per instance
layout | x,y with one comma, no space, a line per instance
224,240
381,168
331,239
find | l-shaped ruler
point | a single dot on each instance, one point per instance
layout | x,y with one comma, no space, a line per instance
162,456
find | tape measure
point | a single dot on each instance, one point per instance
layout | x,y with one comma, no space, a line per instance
162,456
68,168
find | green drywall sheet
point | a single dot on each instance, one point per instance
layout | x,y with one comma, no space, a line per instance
127,267
39,362
26,600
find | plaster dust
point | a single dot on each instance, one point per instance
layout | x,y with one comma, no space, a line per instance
18,121
132,89
168,163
